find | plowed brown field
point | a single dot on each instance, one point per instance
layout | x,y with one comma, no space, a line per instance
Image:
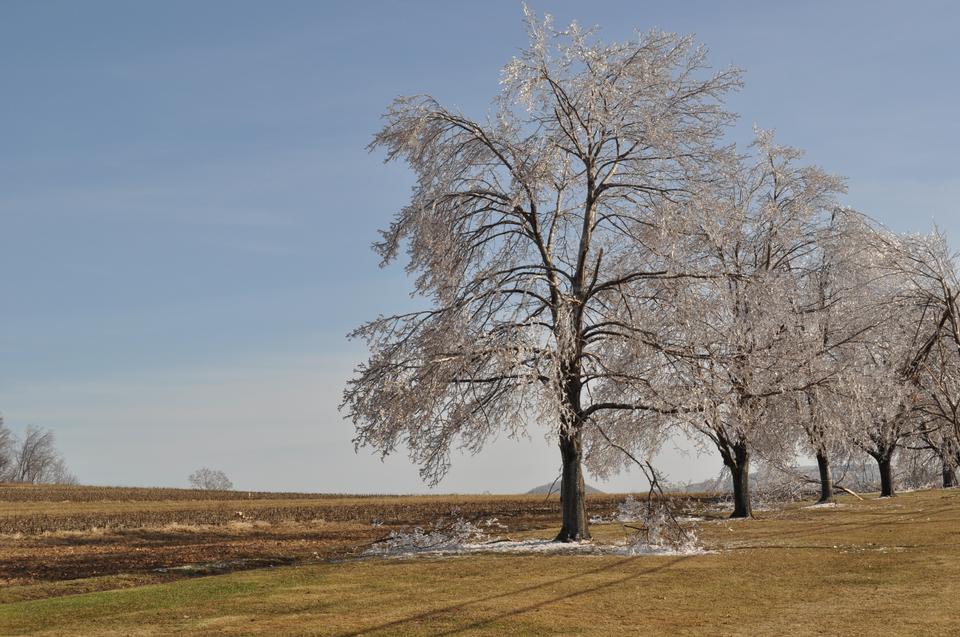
116,537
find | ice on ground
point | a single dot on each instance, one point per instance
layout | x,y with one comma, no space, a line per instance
463,537
546,547
825,505
442,535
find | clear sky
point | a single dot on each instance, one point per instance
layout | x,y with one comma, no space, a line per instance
186,203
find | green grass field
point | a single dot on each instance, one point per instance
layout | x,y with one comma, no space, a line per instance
877,567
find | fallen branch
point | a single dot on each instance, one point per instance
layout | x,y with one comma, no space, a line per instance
846,490
650,473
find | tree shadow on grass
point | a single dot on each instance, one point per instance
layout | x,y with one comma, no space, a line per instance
434,614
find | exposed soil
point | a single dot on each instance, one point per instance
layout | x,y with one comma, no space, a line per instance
53,556
55,534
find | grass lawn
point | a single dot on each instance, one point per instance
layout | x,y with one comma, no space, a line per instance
879,567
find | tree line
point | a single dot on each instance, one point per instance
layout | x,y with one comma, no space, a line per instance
595,256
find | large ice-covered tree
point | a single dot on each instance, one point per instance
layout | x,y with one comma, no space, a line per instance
539,237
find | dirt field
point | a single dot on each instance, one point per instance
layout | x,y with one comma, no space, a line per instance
69,539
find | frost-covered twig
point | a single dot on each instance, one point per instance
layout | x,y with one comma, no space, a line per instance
444,534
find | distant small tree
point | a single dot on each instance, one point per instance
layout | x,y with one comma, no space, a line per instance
210,480
7,459
33,459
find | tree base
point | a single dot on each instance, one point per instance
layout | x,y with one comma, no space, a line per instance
569,538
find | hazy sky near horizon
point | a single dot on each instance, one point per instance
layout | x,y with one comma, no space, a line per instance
186,204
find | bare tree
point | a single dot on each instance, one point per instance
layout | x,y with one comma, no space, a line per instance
37,460
8,460
210,480
537,239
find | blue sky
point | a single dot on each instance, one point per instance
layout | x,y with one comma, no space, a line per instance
186,203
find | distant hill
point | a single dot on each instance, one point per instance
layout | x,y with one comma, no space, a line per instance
544,489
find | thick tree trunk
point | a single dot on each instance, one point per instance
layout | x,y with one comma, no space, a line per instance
886,476
826,477
573,506
949,475
740,469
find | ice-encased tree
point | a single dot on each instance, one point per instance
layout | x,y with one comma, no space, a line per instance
538,237
746,327
932,283
939,409
881,400
837,318
889,385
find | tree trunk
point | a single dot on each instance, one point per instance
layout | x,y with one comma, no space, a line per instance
886,477
826,477
572,504
740,469
949,475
